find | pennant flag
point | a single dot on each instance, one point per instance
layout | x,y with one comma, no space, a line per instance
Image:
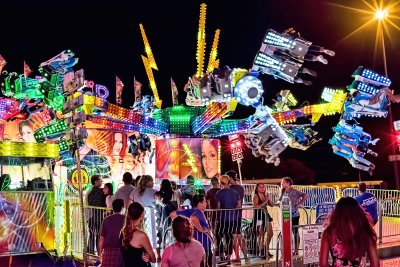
174,91
118,91
27,70
138,90
3,62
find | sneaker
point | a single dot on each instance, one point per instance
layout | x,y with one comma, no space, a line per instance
322,59
329,52
310,72
300,80
373,142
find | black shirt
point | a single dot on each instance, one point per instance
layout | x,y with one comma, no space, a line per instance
96,197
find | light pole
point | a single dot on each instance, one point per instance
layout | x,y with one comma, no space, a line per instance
381,15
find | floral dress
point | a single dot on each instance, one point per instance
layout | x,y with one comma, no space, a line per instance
338,259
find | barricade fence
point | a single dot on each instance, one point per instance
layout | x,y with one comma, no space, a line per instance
94,217
225,226
380,194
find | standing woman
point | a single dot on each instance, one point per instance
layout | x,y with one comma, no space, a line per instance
173,196
261,199
185,252
136,248
349,236
108,192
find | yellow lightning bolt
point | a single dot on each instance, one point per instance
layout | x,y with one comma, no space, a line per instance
149,64
201,41
213,53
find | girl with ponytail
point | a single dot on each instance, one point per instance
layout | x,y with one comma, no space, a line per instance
136,248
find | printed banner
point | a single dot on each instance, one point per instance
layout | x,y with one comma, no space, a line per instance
118,91
180,157
27,70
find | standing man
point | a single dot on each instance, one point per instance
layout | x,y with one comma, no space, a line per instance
297,199
124,191
96,198
210,196
237,237
367,201
110,244
228,222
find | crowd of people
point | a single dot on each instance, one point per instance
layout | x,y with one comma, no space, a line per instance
196,216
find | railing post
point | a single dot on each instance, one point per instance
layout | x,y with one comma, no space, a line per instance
83,221
286,230
380,221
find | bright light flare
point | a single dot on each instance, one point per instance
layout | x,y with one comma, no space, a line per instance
381,14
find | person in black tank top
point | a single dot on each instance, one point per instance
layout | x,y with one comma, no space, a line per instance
262,218
136,248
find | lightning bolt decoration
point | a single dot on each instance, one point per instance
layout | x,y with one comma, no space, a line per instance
213,54
149,64
201,41
147,48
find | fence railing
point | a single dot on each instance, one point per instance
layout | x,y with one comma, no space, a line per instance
221,222
380,194
94,217
273,190
317,194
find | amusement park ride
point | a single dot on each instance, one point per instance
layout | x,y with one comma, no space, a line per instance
212,94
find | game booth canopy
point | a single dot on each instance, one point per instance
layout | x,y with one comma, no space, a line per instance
49,119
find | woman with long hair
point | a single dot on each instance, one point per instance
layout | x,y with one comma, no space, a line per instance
135,244
26,131
144,193
185,251
117,149
261,199
209,157
166,187
108,192
349,236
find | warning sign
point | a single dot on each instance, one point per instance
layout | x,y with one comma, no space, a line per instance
310,244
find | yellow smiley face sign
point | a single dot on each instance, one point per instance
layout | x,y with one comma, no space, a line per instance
75,180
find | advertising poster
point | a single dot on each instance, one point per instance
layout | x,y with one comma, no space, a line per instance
177,158
26,218
310,244
104,152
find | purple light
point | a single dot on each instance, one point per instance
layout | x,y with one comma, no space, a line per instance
102,91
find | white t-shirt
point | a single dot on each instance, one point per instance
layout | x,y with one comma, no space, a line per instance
147,199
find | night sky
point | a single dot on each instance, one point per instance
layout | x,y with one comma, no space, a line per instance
106,38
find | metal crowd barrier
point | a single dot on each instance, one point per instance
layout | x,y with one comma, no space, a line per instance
390,218
239,232
94,217
317,194
380,194
273,190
